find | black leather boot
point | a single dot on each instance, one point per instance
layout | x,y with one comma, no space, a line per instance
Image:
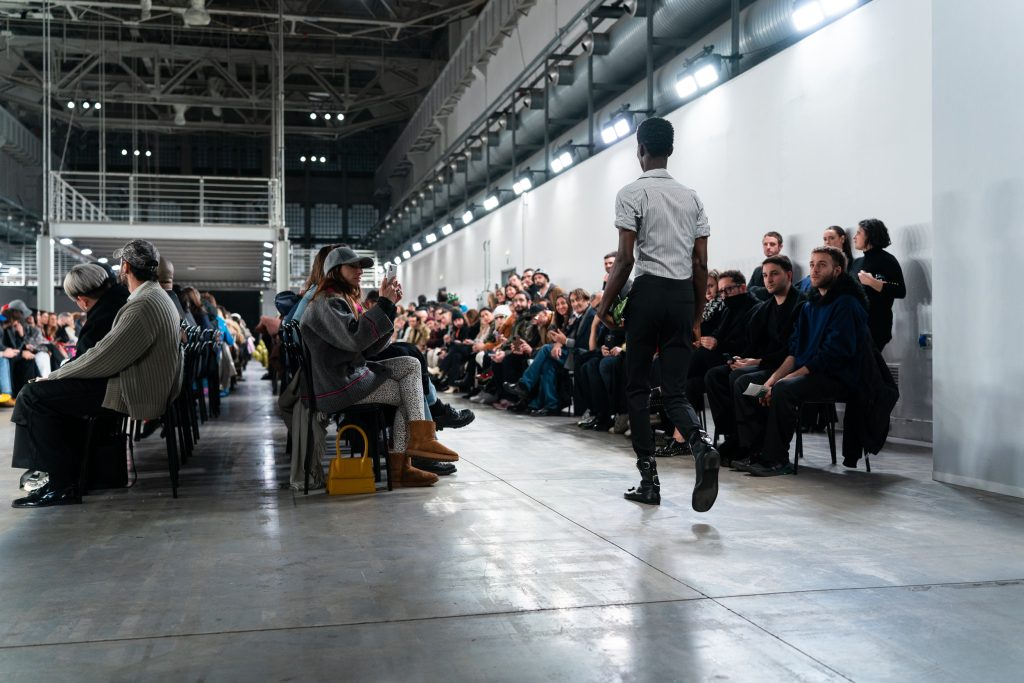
649,491
707,461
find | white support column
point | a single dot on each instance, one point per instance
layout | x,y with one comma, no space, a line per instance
44,266
283,257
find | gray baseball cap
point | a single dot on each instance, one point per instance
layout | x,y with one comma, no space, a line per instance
19,305
344,256
139,254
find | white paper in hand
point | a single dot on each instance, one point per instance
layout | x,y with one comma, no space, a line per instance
755,390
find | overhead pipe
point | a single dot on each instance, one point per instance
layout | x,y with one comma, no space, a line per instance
762,25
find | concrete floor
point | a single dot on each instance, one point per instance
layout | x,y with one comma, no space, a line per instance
525,566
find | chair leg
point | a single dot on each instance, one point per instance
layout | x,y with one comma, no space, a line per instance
173,463
307,460
83,476
798,452
832,439
867,461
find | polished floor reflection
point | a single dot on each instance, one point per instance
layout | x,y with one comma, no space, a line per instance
527,565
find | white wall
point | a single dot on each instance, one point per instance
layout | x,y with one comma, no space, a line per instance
835,129
979,208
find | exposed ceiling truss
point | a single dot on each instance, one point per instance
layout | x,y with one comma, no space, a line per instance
223,90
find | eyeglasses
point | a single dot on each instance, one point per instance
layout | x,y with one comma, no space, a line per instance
730,288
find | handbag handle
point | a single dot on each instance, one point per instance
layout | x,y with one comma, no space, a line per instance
362,433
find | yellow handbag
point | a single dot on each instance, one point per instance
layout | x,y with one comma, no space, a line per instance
350,476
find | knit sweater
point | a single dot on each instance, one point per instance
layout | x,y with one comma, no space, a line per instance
140,356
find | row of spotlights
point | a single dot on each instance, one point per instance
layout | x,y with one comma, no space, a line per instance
810,13
616,130
705,76
561,162
87,105
147,153
522,185
313,159
430,238
327,116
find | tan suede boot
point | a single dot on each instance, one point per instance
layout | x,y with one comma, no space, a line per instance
423,443
404,475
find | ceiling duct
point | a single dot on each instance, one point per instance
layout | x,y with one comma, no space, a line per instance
146,10
216,86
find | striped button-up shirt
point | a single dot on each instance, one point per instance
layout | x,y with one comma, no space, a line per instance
668,218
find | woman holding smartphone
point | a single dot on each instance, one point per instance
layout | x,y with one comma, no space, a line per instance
341,335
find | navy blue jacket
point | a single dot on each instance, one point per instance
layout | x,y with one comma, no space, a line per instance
830,330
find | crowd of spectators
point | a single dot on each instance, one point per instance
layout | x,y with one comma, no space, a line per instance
533,347
118,354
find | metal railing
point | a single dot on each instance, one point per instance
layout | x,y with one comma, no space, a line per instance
148,198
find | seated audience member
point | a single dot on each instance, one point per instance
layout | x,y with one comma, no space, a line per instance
823,364
514,280
601,379
135,370
504,321
193,305
729,337
541,285
713,310
416,332
770,327
100,296
316,275
881,276
340,335
509,360
542,372
526,281
510,293
609,263
165,275
771,245
834,236
21,335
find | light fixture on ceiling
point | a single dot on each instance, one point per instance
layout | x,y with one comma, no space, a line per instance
431,238
86,252
491,202
406,255
136,152
312,116
619,127
323,160
71,105
398,260
447,229
85,105
416,246
563,160
267,254
179,114
467,217
102,259
327,116
268,245
836,7
97,106
148,153
196,14
522,185
14,270
303,158
701,74
124,152
66,241
267,263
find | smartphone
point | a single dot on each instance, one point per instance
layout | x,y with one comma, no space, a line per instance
391,271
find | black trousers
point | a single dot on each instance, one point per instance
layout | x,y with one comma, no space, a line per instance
780,420
659,318
719,382
42,415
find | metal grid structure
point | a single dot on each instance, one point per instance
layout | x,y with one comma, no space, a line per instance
302,259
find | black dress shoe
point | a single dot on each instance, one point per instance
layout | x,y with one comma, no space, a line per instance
588,423
446,416
707,462
517,389
760,470
47,496
519,407
545,412
442,469
600,425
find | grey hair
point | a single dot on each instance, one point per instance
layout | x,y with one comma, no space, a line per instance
85,279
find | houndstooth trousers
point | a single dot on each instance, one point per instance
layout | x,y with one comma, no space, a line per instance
405,391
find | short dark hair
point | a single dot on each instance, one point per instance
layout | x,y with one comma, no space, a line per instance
611,254
780,261
736,276
877,233
373,296
837,256
772,233
657,136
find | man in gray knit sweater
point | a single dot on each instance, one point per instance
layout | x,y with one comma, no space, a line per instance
134,370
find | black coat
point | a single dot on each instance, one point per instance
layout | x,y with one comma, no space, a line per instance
732,331
772,345
885,267
869,408
101,318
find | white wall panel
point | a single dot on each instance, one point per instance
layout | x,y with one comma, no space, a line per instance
979,186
